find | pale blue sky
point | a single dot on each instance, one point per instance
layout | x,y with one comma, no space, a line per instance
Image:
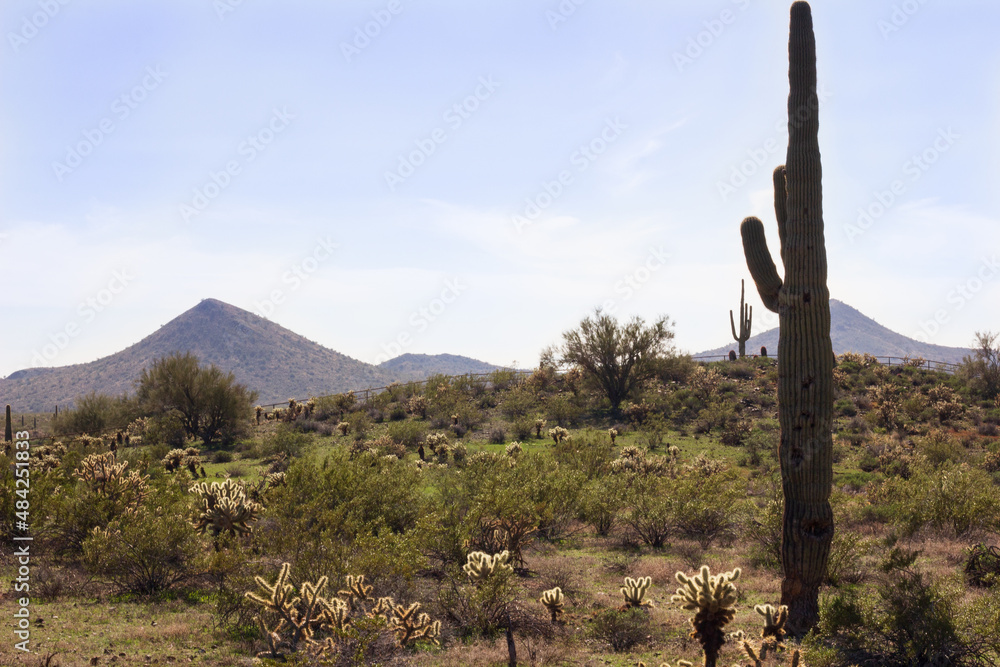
188,89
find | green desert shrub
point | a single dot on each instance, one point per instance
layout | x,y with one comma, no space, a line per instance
143,553
952,497
407,433
905,620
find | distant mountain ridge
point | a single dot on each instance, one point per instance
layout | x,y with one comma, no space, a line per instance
851,331
412,367
276,362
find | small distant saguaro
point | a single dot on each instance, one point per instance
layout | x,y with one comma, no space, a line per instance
746,316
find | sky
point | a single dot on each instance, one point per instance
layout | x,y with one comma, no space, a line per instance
475,178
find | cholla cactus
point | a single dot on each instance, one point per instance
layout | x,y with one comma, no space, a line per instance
539,425
558,434
513,450
356,591
107,478
259,414
712,598
553,601
301,615
459,452
480,565
613,433
634,592
406,622
344,428
438,443
191,460
135,432
759,656
174,459
225,508
774,622
417,405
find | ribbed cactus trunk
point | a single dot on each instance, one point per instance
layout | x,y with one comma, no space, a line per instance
746,317
805,353
8,431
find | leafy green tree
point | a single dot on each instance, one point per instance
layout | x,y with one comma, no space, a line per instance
209,402
982,368
618,357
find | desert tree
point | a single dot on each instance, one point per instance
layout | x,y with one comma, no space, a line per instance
617,357
209,403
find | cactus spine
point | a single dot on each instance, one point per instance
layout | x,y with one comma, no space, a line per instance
805,353
746,316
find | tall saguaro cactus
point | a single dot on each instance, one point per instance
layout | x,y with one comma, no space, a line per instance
746,316
8,432
805,353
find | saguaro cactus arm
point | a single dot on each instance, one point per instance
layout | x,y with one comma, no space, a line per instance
762,269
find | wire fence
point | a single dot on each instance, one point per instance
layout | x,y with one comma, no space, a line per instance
915,362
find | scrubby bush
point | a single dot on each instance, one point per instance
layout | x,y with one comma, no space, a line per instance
145,552
622,630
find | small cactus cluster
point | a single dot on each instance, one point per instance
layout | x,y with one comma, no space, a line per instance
513,450
539,425
48,457
633,460
438,443
182,458
409,624
301,619
553,601
558,434
225,508
634,592
417,405
480,566
712,598
107,478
